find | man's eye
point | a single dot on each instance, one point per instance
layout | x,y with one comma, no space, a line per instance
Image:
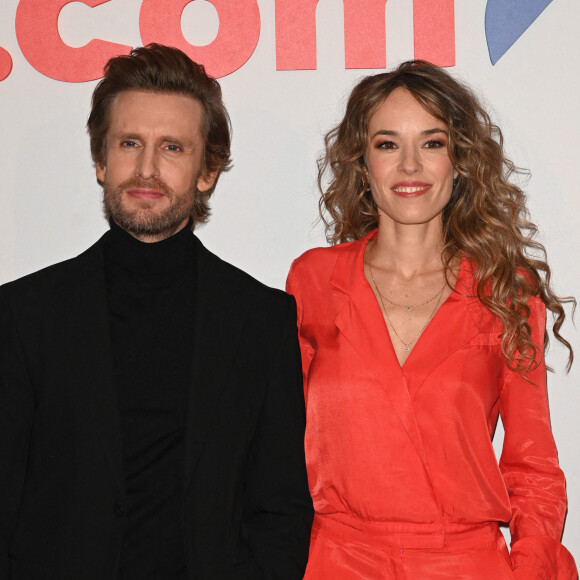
173,147
128,143
434,144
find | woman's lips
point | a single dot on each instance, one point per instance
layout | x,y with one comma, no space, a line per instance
410,189
144,193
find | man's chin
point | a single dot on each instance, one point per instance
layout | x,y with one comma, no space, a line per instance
149,226
147,220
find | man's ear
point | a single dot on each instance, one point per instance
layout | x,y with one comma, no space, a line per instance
206,180
101,171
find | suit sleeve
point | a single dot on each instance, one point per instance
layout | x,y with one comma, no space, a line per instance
16,413
278,504
529,464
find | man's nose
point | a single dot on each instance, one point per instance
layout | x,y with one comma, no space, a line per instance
148,165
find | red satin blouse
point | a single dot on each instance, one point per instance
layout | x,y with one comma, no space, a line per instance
400,459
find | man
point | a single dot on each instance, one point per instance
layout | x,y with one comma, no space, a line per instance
151,408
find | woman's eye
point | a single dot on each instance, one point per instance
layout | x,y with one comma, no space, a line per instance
434,144
386,145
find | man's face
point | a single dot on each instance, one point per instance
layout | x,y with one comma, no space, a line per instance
154,150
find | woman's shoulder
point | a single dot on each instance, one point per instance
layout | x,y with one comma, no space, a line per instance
323,258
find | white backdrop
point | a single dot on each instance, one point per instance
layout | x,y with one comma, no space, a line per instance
265,208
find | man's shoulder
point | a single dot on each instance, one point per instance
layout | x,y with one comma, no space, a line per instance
55,278
244,284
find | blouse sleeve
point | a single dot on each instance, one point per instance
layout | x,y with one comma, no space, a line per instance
306,350
529,464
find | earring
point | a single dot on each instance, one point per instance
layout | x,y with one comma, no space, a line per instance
365,179
454,185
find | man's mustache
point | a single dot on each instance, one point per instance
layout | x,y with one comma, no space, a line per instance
153,183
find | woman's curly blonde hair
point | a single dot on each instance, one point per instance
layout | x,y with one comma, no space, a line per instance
485,220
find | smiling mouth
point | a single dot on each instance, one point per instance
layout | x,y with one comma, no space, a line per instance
411,190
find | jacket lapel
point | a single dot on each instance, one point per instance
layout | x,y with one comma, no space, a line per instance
360,321
85,331
220,314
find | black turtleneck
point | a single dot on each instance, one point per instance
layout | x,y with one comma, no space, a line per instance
150,291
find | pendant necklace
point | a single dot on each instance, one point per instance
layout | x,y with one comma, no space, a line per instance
406,306
407,345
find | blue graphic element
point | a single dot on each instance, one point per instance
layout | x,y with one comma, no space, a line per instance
506,21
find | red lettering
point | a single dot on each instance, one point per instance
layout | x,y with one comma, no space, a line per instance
5,64
238,34
239,31
364,34
296,34
434,31
43,48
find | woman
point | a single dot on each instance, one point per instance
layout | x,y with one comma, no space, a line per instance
423,324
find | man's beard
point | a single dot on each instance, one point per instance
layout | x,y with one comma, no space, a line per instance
146,221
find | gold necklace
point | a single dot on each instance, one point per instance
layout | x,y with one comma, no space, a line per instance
406,306
407,345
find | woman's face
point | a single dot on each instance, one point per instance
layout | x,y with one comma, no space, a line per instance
409,170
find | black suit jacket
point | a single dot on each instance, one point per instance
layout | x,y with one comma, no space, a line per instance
247,509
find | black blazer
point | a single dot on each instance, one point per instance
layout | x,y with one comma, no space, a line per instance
247,508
